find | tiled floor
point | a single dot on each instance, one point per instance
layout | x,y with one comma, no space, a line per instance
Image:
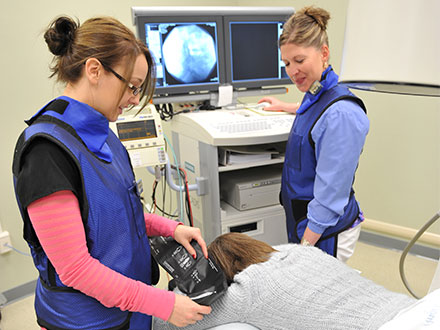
382,266
378,264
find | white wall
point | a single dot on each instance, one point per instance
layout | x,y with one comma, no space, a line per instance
398,178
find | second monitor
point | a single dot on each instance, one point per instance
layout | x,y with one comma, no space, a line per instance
253,58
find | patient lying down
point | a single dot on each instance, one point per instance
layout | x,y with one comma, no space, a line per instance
293,287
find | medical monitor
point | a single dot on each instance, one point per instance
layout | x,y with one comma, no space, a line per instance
253,58
198,49
142,136
186,50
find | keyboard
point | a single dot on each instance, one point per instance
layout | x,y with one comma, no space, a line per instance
236,127
243,126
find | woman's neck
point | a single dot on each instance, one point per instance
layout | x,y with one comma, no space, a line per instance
80,92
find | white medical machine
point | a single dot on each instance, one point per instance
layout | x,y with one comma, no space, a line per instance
197,139
216,74
142,136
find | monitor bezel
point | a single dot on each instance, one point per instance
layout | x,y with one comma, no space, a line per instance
193,88
250,18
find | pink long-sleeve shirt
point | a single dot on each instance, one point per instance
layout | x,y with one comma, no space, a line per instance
57,222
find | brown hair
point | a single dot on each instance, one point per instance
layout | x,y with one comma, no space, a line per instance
103,38
307,27
233,252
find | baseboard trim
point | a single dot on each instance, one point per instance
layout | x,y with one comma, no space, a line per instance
20,292
398,244
400,232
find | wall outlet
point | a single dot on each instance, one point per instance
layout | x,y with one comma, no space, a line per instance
5,242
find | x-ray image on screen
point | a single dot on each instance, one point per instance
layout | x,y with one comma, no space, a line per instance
185,53
189,53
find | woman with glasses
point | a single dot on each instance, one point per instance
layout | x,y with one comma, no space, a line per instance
76,190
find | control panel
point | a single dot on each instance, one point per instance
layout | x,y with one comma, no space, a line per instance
142,136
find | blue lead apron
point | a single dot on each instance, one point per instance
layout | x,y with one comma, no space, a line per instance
299,168
112,215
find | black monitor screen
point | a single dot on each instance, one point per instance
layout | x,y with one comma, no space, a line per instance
254,56
185,53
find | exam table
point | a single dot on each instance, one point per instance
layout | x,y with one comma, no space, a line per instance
234,326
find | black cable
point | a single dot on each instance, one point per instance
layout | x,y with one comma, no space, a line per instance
166,111
206,105
153,197
182,111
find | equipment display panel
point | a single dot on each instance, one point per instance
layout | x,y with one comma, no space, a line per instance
137,130
142,136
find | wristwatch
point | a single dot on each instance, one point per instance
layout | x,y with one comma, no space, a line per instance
305,242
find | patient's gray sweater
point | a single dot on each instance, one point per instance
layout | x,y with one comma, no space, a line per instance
302,288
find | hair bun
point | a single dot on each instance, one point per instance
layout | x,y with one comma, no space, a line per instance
319,15
60,35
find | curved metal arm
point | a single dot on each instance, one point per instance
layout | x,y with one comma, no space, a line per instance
200,186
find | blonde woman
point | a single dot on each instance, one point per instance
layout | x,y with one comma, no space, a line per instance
325,142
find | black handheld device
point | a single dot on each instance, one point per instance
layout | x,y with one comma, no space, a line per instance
200,279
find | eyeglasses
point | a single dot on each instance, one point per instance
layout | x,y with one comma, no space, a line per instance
134,89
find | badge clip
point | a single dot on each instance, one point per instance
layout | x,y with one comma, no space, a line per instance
315,88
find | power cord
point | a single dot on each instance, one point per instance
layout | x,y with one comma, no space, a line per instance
153,197
206,105
166,111
16,250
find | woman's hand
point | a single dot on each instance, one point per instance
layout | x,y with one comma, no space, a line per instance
184,235
277,105
186,311
310,237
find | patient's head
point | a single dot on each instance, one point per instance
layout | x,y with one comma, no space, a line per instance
233,252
